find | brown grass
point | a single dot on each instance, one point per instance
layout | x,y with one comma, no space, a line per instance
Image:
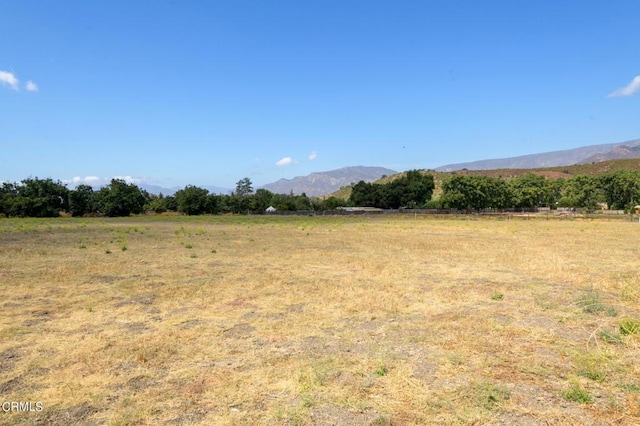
312,320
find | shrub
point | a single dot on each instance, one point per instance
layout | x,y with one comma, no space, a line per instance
629,326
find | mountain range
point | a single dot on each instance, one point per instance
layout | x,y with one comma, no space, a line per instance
323,183
582,155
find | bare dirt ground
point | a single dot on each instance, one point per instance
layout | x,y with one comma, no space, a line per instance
320,321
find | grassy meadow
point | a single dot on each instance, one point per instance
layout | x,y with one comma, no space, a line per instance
320,320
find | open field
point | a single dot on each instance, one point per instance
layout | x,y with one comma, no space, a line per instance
311,320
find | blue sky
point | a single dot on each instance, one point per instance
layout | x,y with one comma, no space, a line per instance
207,92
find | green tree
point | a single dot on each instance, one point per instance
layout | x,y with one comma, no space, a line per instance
621,189
227,203
261,200
331,203
413,190
212,204
468,192
284,202
120,199
81,201
363,194
8,192
43,197
244,188
553,193
528,191
193,200
156,203
582,191
302,202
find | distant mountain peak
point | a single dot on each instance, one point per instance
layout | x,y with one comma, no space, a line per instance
323,183
582,155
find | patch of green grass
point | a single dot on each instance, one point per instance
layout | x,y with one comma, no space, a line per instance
188,246
497,296
123,247
192,255
382,371
592,371
486,394
577,394
591,303
631,387
107,251
611,337
629,326
593,364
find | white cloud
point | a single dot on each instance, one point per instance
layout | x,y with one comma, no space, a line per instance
313,156
96,181
31,86
286,161
7,78
92,180
628,90
130,179
87,180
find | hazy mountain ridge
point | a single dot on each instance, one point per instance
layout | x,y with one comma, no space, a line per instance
586,154
617,153
323,183
155,189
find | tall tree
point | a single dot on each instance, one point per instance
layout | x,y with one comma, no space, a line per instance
244,188
120,199
193,200
261,200
46,198
81,200
467,192
621,189
528,190
582,191
413,190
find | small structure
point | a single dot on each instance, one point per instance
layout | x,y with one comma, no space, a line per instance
270,209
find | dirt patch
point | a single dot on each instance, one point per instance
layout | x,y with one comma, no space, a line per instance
8,358
143,299
297,308
135,327
241,303
140,383
189,324
239,331
40,317
12,385
189,418
327,415
78,414
106,279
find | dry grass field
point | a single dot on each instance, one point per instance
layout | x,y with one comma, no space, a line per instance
320,321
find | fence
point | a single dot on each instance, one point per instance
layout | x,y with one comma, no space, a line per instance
355,211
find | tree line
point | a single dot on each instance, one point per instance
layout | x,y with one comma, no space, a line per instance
34,197
619,190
